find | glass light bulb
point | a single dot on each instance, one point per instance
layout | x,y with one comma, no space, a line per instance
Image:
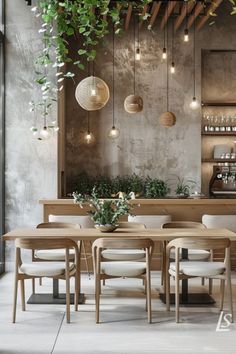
172,68
194,104
186,36
89,138
113,133
93,91
164,54
138,54
44,134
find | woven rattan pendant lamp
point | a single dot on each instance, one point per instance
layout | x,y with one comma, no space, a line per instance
92,93
167,119
133,103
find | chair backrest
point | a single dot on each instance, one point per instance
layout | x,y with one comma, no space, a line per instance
150,221
199,243
220,222
84,221
183,225
130,225
58,225
46,243
130,243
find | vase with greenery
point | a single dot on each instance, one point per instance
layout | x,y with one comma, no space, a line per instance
155,188
183,187
104,213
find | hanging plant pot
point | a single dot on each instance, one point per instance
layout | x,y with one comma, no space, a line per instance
167,119
133,104
92,93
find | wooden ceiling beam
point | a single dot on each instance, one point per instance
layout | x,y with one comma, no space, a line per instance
186,9
211,9
198,8
145,10
155,9
128,17
168,11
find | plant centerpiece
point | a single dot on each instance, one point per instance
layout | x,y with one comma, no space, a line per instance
183,187
104,213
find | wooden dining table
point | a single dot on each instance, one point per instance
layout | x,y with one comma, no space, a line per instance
157,235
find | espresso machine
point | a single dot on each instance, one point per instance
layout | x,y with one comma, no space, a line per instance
223,182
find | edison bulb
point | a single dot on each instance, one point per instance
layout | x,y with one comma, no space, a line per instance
194,104
172,68
93,91
113,133
89,138
138,54
164,54
44,134
186,36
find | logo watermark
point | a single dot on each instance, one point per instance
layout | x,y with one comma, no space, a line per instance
224,322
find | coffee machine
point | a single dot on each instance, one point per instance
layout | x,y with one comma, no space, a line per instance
223,182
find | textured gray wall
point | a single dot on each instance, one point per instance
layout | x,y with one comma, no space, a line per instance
31,165
144,147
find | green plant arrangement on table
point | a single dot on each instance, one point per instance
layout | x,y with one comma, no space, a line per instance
183,187
104,213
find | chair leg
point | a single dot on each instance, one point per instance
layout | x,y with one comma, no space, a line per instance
203,281
177,299
40,281
97,296
230,300
149,306
85,258
145,285
76,295
167,280
22,283
210,286
163,264
222,293
103,281
15,300
67,297
33,285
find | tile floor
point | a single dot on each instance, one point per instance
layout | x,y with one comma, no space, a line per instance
42,329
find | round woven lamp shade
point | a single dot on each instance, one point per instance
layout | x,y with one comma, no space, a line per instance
167,119
133,104
92,93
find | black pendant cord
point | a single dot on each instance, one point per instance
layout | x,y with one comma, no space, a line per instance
186,17
167,73
194,59
134,55
113,77
88,122
172,43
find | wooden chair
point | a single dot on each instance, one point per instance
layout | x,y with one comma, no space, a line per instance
191,269
131,225
193,255
55,270
53,254
118,269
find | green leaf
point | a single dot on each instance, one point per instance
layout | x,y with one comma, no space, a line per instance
81,51
82,29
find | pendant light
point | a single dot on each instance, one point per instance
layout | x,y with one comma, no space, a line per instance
172,68
89,137
114,132
164,51
186,34
167,119
133,103
194,104
138,53
92,93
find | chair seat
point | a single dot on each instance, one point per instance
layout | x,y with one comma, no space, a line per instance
199,269
47,269
123,254
123,269
54,254
194,255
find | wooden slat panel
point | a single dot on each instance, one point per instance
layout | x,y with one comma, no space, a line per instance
169,9
211,9
128,17
198,8
186,8
145,9
155,9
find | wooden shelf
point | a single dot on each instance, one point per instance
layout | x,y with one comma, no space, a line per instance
219,133
219,160
219,104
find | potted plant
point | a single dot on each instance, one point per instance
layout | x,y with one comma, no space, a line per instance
155,188
104,213
183,187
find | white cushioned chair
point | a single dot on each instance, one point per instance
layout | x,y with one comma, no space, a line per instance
190,269
56,270
116,269
150,221
220,222
85,222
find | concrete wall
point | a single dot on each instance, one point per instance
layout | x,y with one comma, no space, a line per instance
144,147
31,165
